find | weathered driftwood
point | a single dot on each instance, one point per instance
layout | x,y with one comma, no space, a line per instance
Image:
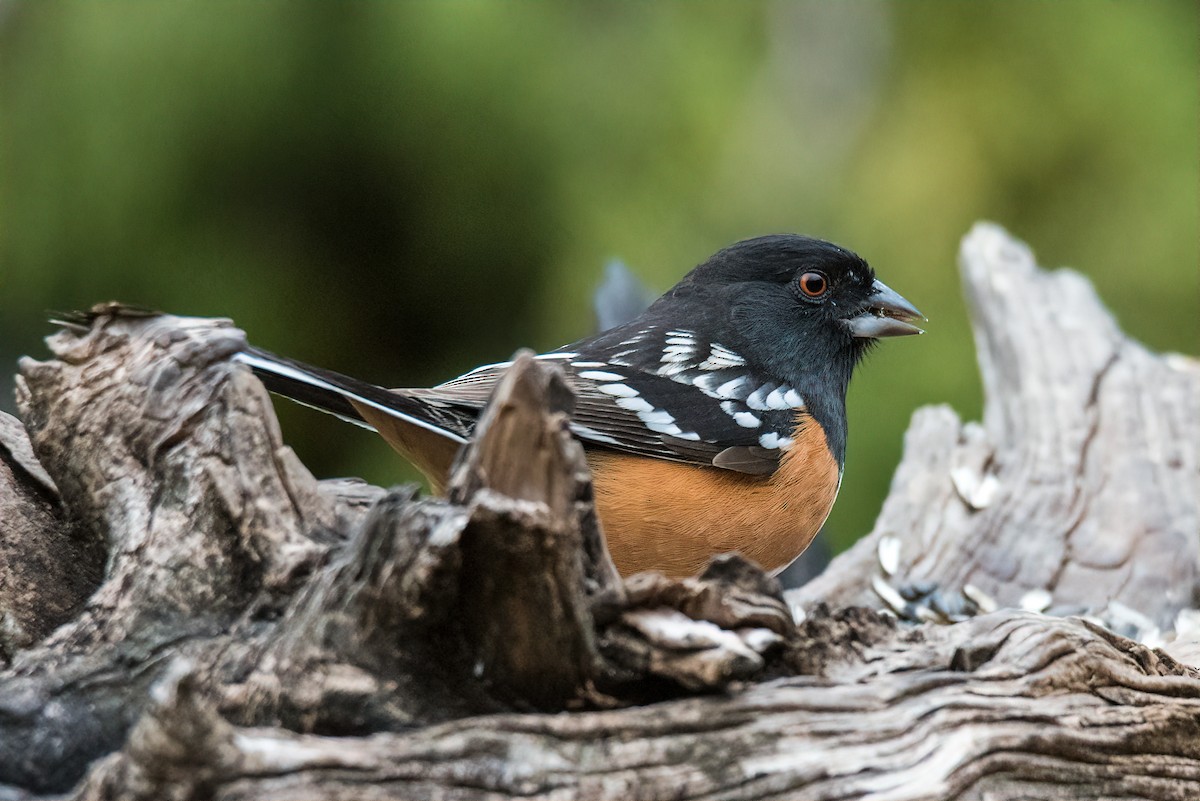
187,613
1083,479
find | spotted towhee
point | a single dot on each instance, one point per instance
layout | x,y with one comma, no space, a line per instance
715,421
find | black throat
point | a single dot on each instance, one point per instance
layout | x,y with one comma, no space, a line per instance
818,363
825,398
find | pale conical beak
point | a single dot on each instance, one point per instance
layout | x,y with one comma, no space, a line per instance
888,315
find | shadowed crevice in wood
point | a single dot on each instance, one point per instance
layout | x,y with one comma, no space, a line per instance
37,539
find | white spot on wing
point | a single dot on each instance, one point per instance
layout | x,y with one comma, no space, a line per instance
646,413
671,369
794,399
658,416
734,389
601,375
635,404
758,398
722,352
746,420
721,358
773,441
676,353
622,359
776,399
619,390
665,428
593,434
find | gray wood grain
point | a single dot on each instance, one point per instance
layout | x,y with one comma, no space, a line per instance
1088,458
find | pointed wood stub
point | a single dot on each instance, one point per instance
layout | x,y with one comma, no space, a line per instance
532,566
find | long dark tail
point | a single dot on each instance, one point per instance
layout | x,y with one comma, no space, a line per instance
337,394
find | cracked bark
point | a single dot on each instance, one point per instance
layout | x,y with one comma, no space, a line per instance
187,613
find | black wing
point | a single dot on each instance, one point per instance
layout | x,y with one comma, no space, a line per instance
664,393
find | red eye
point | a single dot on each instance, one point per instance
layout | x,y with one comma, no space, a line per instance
814,284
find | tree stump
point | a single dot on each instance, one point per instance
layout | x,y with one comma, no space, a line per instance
185,612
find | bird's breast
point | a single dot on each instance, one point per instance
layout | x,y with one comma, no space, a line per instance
674,517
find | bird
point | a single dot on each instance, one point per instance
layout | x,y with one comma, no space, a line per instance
712,422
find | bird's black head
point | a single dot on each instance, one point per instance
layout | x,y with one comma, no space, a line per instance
792,300
799,309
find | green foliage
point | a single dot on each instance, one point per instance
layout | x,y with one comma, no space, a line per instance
403,190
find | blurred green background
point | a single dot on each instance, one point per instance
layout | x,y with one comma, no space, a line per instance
403,190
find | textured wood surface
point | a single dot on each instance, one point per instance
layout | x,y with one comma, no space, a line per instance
1083,480
48,567
188,613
